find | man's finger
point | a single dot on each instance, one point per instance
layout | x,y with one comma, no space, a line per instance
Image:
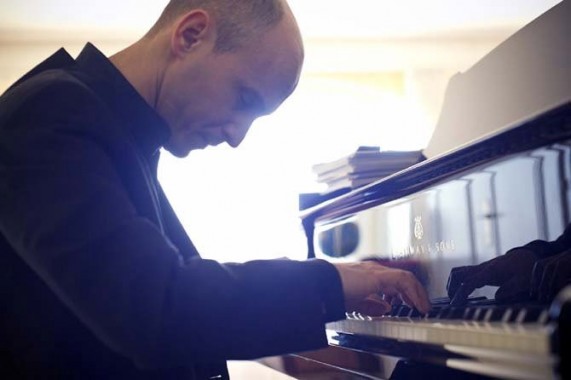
407,285
374,306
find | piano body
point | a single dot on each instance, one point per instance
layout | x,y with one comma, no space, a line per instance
509,185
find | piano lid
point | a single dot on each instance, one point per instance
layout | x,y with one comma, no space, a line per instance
540,130
526,75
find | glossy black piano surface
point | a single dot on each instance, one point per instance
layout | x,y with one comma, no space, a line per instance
462,208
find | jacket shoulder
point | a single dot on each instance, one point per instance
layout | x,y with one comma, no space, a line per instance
51,96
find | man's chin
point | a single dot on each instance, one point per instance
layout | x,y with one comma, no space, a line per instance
179,151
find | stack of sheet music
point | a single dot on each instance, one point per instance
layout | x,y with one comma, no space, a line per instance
364,166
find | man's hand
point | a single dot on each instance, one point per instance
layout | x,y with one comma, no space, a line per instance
365,284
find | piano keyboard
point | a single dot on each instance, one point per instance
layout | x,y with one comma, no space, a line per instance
518,328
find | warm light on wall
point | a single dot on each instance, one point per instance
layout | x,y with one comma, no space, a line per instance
241,204
375,74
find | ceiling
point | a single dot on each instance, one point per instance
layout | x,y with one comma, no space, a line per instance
317,18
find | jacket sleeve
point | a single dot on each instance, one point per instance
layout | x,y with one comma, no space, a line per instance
65,211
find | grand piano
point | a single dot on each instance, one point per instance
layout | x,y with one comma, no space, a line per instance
498,176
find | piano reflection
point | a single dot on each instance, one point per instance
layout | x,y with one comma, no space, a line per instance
497,183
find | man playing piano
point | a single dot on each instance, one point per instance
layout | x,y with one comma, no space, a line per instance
98,279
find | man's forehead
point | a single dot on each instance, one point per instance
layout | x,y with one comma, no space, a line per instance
280,61
279,81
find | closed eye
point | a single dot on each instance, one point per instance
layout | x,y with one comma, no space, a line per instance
250,100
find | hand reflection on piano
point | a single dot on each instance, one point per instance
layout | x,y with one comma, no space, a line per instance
536,271
511,272
551,275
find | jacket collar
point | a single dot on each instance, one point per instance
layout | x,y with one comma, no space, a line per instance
149,130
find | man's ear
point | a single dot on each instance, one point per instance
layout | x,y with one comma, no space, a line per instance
192,30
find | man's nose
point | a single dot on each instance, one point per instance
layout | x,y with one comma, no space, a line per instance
235,133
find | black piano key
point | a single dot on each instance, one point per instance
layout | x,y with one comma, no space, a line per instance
469,313
434,312
509,315
478,314
395,310
404,311
443,314
416,314
494,314
530,314
456,313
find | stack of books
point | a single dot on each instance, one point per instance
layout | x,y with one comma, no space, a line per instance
366,165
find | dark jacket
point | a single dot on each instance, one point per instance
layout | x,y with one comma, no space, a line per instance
98,279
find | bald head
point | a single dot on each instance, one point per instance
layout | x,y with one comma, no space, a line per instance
213,66
238,21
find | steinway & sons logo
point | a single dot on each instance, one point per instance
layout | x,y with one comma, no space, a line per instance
438,247
418,229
